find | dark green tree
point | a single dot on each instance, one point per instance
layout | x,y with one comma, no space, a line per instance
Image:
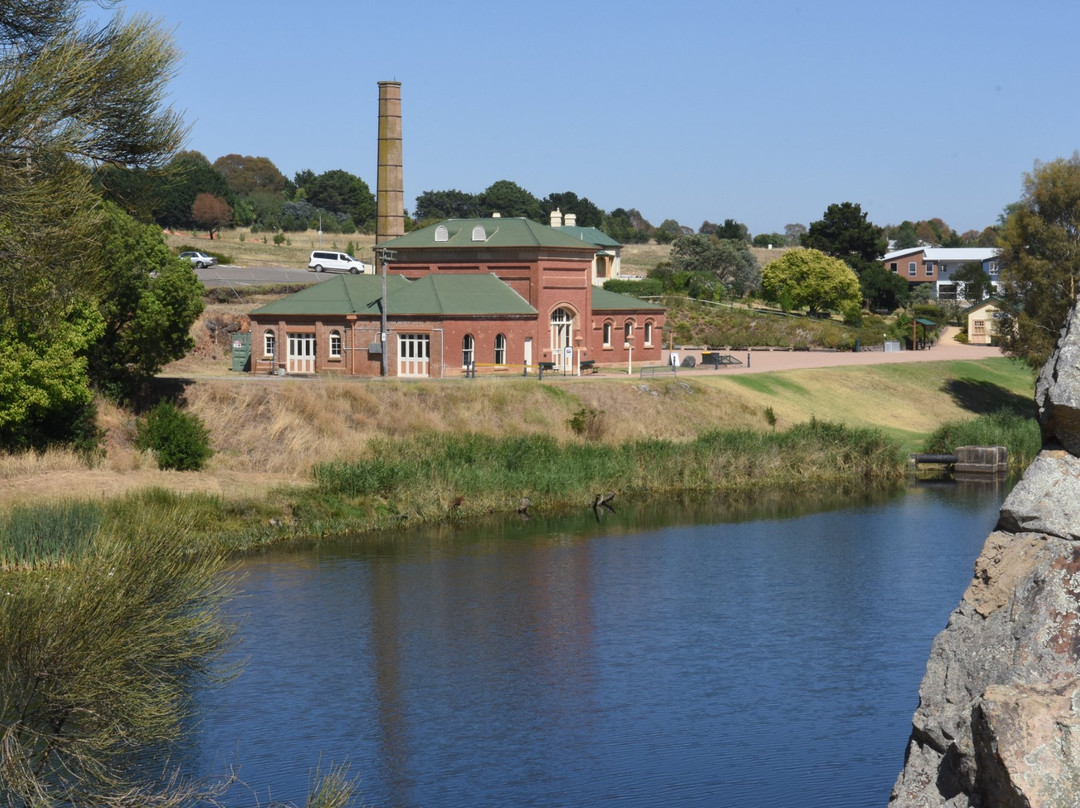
844,232
149,300
587,213
767,239
1040,254
627,226
188,175
732,231
976,283
728,262
432,206
904,236
883,289
73,93
339,191
510,199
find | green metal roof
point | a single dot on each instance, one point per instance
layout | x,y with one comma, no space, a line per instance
343,294
453,294
603,300
494,232
449,294
590,235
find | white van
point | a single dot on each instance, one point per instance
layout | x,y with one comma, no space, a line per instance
338,262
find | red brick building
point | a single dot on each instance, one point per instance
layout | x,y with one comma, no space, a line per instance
496,294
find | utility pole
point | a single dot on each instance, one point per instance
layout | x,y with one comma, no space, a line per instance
385,256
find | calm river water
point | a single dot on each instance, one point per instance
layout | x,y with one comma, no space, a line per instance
647,659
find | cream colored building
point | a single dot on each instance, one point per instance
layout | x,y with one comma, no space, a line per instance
982,321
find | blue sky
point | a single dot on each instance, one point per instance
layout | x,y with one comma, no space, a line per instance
764,111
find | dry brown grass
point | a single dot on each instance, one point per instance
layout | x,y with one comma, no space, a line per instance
258,249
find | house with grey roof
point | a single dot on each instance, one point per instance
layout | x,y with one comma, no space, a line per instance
937,265
493,295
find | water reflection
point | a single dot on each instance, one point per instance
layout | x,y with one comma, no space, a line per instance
670,654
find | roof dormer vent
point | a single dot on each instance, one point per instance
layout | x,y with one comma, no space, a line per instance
478,233
441,233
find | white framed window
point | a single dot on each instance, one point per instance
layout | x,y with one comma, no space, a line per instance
468,350
607,335
500,349
335,344
269,342
414,351
648,332
912,269
929,270
992,268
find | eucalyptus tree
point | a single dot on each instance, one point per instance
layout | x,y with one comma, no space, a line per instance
1040,254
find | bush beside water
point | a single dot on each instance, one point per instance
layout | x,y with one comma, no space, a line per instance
180,440
1019,434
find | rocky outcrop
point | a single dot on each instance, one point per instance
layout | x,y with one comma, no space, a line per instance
998,722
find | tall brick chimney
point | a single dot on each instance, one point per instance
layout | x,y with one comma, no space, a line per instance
390,191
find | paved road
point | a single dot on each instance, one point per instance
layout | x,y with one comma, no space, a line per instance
229,275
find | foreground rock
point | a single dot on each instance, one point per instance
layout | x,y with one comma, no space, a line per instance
998,723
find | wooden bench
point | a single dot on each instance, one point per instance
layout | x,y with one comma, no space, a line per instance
589,365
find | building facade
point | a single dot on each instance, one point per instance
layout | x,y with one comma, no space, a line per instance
492,295
937,265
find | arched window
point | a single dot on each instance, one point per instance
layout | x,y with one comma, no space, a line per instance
607,334
500,349
628,332
269,342
335,344
468,350
648,332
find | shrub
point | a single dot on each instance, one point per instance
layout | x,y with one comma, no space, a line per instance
588,423
180,439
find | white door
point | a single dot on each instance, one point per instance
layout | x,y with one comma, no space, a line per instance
562,335
301,353
528,350
414,352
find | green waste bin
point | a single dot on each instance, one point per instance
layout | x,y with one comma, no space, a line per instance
241,352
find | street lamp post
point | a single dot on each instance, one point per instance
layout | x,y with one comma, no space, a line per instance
629,358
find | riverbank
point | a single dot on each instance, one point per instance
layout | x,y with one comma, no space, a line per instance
269,433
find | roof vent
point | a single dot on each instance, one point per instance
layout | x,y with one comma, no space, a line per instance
478,233
441,233
556,218
571,220
496,215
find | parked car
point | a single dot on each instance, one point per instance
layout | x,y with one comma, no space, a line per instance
323,260
199,259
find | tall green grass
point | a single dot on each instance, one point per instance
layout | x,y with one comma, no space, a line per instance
1019,434
47,535
479,472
